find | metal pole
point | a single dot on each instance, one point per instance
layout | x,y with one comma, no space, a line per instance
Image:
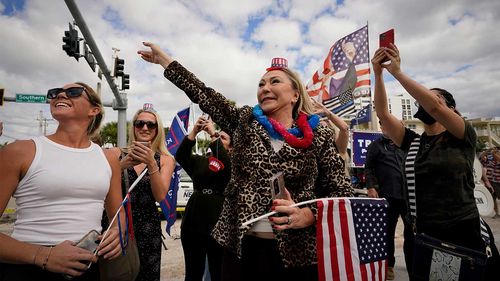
80,22
120,101
122,128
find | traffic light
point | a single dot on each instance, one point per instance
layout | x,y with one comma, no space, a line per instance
125,82
1,96
71,42
119,67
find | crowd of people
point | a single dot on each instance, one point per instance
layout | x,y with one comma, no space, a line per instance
63,182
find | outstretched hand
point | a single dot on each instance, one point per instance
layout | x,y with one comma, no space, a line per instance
155,55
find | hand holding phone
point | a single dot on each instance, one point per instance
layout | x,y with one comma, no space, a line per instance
88,242
385,40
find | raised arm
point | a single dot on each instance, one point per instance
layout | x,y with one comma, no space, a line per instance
343,135
395,130
222,110
430,101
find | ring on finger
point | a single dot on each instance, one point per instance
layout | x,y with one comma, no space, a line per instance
289,221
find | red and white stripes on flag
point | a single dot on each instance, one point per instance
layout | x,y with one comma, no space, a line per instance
344,74
352,239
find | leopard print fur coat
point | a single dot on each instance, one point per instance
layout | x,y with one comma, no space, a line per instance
314,172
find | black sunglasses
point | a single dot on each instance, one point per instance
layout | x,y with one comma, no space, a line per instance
139,124
72,92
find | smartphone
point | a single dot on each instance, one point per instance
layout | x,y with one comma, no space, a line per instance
277,183
146,143
385,40
89,242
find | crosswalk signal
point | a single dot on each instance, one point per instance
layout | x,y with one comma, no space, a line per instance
119,67
71,42
125,82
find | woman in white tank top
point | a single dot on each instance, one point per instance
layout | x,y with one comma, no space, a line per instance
61,184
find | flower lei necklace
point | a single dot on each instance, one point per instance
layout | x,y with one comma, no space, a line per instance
291,136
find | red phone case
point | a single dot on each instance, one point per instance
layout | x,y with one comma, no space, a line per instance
387,38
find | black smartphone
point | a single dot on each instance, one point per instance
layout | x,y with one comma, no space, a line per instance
277,183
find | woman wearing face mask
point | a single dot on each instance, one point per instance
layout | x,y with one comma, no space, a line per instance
278,135
445,203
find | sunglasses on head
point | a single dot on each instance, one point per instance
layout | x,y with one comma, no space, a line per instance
139,124
72,92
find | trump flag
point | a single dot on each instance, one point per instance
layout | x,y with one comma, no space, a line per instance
352,239
344,74
176,133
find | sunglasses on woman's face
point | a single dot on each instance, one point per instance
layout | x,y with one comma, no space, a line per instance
139,124
72,92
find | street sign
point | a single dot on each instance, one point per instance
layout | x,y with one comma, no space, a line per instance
31,98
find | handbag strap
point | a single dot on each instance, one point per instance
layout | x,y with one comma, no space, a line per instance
412,198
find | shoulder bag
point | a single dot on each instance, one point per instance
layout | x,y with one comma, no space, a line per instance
125,267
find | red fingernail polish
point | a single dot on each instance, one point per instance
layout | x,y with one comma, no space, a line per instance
273,208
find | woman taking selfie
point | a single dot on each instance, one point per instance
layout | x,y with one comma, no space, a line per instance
147,150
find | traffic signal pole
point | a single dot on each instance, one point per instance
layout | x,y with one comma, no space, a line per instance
120,101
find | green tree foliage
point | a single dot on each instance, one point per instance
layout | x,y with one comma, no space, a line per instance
109,133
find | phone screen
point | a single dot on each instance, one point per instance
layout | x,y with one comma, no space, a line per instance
277,183
387,38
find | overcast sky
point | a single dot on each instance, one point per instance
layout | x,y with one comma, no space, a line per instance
228,44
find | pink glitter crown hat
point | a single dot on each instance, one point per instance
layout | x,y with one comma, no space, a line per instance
278,63
148,107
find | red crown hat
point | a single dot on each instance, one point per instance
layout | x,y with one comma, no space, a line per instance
277,64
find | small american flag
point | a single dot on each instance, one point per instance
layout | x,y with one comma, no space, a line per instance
352,239
344,75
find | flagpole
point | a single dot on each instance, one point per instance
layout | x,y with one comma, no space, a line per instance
121,205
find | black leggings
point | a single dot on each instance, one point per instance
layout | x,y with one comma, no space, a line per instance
196,247
261,260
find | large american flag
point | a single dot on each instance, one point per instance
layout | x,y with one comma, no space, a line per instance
343,77
352,239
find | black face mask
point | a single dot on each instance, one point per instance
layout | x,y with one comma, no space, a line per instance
424,116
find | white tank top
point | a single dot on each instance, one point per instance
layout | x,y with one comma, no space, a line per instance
61,197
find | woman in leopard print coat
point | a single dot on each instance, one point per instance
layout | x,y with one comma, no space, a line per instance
278,247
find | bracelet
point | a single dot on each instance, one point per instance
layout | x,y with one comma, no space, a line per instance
36,254
44,265
154,171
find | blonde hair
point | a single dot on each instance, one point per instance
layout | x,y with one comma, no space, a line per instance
304,103
95,100
158,143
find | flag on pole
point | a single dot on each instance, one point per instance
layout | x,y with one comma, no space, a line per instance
344,75
352,239
363,116
175,135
